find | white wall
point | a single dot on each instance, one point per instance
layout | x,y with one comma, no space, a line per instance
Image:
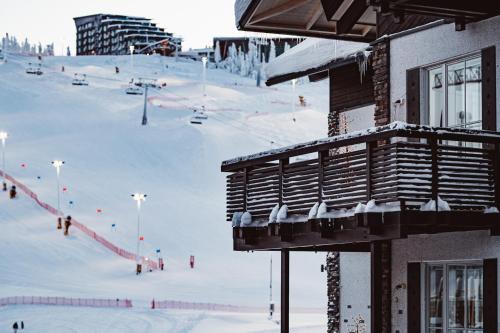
354,288
422,248
437,44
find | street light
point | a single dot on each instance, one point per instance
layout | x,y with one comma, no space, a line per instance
3,137
139,198
58,164
204,61
294,82
132,48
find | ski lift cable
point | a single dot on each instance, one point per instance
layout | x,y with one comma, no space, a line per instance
229,120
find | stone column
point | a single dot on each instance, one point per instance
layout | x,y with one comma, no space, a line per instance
381,82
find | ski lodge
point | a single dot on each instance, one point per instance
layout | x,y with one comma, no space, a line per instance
106,34
411,183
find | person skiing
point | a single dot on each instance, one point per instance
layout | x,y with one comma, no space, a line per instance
22,325
13,192
15,327
117,69
67,224
59,223
62,68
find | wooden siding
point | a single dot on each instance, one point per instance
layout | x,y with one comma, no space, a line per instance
386,24
348,89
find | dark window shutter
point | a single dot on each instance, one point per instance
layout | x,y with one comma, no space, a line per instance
414,306
413,96
488,85
490,296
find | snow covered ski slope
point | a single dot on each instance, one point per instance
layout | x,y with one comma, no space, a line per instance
96,130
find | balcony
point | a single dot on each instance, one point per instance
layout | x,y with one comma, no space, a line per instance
382,183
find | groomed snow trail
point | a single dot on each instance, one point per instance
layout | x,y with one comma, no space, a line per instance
109,155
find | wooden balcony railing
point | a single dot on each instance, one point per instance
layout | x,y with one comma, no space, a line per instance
396,163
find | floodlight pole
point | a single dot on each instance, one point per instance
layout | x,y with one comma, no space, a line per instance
204,61
3,137
139,198
144,114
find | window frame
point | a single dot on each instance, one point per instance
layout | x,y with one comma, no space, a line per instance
426,292
424,83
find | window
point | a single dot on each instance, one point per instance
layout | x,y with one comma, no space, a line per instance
454,298
454,94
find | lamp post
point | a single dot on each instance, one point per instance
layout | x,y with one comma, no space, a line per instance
204,61
132,48
3,137
58,164
294,82
139,198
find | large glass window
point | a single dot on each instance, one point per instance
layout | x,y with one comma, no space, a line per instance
454,296
454,94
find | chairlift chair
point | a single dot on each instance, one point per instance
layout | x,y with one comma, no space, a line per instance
80,80
34,69
196,120
133,90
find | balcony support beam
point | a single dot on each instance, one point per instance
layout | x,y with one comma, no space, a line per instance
285,291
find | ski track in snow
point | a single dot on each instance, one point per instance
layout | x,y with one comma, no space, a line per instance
96,130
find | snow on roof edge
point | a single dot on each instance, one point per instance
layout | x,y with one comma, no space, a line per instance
314,53
396,125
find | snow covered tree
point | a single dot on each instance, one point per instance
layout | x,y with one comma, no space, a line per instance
217,55
40,50
272,51
68,52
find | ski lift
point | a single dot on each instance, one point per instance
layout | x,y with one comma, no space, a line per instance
196,120
200,114
34,69
134,90
140,82
80,80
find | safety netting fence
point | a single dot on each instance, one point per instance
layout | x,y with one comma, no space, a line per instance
152,265
65,301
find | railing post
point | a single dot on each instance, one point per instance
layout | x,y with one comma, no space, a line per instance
321,160
245,184
435,171
369,151
496,165
283,162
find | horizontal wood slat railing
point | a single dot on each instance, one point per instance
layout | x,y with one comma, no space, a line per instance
398,162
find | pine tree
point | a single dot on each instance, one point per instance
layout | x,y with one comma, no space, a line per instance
217,55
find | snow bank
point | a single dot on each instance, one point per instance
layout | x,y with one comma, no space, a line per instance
273,217
443,206
246,219
314,211
283,213
322,210
313,53
491,210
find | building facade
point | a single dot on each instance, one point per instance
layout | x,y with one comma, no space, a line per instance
418,196
106,34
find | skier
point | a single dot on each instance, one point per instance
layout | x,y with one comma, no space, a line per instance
13,192
62,68
22,325
4,187
160,262
59,223
67,224
117,70
15,327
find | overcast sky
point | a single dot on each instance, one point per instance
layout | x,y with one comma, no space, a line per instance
45,21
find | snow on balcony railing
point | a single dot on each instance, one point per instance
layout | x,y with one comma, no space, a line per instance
397,165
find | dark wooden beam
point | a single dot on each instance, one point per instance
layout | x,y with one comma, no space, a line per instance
381,287
285,291
351,16
330,7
